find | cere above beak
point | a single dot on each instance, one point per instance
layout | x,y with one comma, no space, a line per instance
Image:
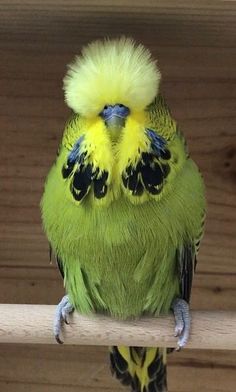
115,115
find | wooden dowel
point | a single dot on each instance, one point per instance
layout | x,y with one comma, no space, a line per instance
33,324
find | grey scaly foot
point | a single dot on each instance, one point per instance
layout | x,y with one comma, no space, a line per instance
64,308
182,321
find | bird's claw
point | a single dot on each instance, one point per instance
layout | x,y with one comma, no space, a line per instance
182,322
63,310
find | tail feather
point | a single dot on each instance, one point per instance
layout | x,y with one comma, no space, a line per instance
143,369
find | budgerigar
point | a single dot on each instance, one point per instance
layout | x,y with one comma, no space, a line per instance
123,206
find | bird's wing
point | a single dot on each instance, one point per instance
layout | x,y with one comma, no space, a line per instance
59,263
60,266
186,262
186,257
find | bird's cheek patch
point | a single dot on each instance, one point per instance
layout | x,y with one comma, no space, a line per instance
81,182
83,174
149,174
100,185
86,179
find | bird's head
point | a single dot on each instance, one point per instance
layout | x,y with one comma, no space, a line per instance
111,80
118,139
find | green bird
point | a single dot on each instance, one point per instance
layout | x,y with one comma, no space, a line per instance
123,206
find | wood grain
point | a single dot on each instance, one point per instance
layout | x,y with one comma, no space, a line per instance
55,368
210,330
195,46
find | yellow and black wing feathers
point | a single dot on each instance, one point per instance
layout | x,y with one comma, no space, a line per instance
143,369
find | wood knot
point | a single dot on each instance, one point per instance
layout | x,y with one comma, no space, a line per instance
228,169
230,157
217,289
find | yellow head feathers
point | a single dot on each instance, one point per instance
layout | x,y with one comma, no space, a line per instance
110,72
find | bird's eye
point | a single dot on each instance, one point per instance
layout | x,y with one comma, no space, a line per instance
105,107
120,105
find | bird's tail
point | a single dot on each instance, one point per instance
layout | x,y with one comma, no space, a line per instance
143,369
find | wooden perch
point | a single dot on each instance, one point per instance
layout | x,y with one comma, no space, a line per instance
33,324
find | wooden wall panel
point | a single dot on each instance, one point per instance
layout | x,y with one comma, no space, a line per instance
195,46
69,369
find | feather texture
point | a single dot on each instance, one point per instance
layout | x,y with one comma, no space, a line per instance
123,209
128,251
110,72
144,369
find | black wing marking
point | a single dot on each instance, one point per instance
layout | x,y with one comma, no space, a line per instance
58,260
186,258
187,262
60,266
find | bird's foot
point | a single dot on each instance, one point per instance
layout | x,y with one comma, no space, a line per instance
64,308
182,321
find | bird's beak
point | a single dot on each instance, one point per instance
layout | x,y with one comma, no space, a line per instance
115,115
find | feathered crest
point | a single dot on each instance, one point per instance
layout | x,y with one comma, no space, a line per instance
110,72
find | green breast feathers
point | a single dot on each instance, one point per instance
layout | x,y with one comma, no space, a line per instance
139,164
